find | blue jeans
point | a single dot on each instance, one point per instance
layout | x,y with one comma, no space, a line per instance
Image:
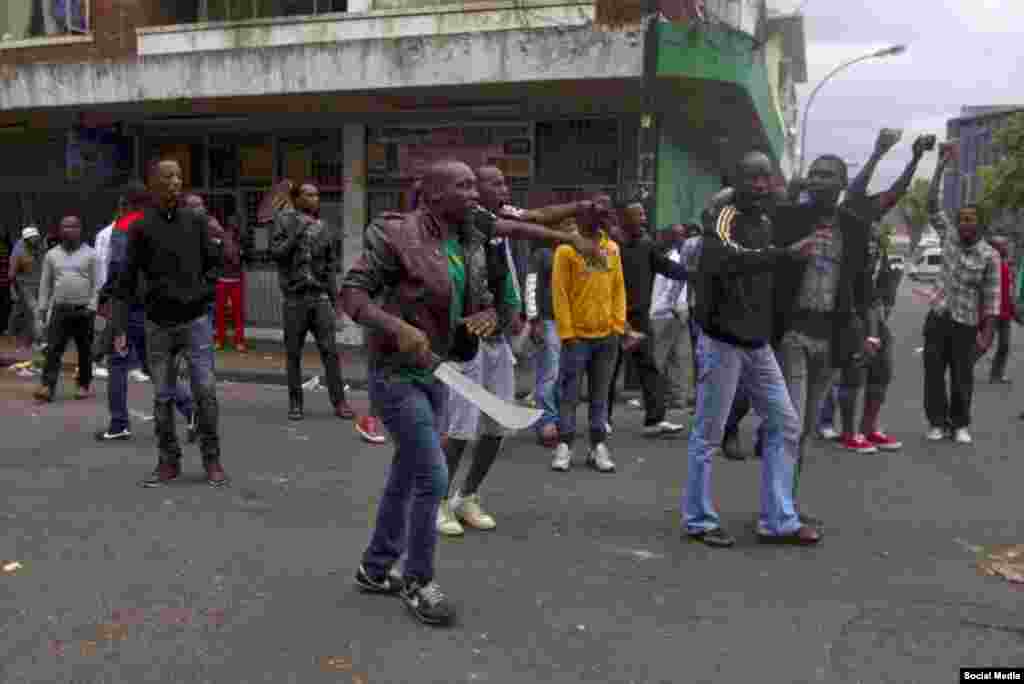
117,385
546,389
723,369
417,481
165,344
595,357
827,413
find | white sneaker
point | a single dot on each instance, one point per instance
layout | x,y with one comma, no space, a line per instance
828,433
100,372
563,458
635,404
447,524
962,436
663,428
138,376
469,512
607,428
600,460
935,434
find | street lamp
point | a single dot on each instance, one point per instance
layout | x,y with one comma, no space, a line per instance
886,52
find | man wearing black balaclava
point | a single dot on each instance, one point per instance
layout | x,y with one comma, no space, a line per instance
734,312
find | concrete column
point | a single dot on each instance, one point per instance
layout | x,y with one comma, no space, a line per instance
354,143
359,5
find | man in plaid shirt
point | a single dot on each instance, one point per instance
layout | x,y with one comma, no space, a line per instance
961,323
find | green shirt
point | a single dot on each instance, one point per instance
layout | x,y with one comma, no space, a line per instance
457,276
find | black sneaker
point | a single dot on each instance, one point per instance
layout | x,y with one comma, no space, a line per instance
111,435
427,603
391,583
164,473
716,538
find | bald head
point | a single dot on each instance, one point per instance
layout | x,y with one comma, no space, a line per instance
753,180
450,189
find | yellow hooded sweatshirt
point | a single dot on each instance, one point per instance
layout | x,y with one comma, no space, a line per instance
589,300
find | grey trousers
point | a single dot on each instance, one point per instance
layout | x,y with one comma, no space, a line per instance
671,357
807,367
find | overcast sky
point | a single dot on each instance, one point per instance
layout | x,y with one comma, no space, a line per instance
960,52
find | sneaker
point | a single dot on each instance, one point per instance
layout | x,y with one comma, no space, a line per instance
427,603
608,428
100,372
164,473
962,436
716,538
111,435
138,376
662,429
600,460
468,510
884,441
563,458
368,428
343,410
391,583
448,524
635,404
935,434
828,433
215,475
857,443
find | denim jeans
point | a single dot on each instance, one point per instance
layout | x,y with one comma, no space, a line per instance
165,344
117,385
418,479
595,357
546,388
723,369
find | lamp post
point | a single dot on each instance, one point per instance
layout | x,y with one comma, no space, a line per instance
886,52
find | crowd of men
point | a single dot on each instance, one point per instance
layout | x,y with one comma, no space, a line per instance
776,302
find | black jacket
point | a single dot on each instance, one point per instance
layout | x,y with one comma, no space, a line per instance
641,261
179,261
854,319
735,283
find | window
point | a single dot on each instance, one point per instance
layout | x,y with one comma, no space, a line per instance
237,10
28,19
934,259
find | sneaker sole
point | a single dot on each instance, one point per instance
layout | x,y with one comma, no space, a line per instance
451,533
433,622
113,438
594,466
372,439
889,447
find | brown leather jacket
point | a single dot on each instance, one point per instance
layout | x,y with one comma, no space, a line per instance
403,269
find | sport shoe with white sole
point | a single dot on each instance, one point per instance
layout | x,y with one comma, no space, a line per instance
109,436
138,376
935,434
391,583
448,524
962,436
469,512
427,603
600,460
663,429
562,460
828,433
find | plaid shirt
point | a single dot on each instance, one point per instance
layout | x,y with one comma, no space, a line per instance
969,283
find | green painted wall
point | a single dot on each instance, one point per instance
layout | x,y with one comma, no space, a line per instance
721,54
685,181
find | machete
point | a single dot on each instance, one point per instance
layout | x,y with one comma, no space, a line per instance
509,415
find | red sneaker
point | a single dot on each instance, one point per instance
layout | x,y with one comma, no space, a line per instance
884,442
857,444
368,428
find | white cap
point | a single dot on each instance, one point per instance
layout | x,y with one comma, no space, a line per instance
30,232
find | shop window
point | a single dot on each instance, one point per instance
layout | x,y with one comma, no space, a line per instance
238,10
578,152
29,19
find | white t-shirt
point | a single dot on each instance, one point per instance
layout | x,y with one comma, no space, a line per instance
668,296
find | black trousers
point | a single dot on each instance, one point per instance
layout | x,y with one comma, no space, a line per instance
1002,354
651,381
5,309
951,346
67,323
315,315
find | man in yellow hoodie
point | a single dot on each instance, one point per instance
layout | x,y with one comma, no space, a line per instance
589,299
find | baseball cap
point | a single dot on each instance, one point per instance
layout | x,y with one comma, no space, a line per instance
29,232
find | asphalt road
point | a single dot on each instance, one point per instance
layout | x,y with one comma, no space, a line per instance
584,580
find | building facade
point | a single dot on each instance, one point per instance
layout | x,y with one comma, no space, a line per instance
975,129
567,97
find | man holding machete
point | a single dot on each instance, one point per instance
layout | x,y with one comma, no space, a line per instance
420,282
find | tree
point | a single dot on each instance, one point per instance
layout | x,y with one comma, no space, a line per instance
1002,183
915,208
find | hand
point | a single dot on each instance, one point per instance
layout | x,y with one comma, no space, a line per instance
517,325
537,330
121,344
589,249
631,340
887,139
923,144
984,339
872,345
105,311
483,323
411,340
806,247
